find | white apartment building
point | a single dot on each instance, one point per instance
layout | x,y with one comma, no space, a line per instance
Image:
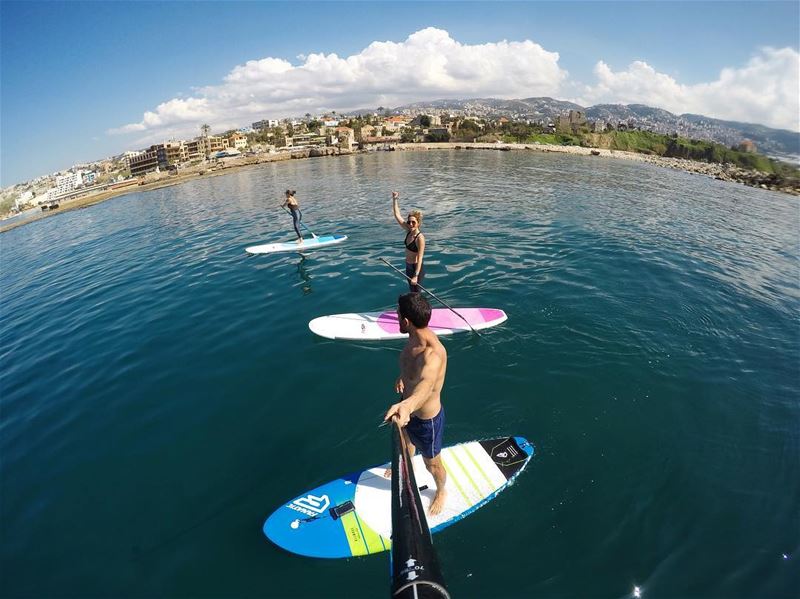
68,182
24,198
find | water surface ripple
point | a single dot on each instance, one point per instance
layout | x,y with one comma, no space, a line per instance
161,393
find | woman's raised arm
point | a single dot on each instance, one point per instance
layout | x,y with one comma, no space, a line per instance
396,210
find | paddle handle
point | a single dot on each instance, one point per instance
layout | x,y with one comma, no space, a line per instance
433,295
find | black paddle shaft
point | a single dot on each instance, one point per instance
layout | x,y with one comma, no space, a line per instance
433,295
416,573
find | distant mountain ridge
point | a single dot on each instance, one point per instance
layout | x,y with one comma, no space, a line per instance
779,143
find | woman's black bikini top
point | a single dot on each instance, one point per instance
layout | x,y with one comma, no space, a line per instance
412,247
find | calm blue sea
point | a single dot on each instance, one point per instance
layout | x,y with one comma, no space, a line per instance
161,393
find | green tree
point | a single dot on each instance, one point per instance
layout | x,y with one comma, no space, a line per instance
408,136
425,120
519,131
438,137
6,204
278,137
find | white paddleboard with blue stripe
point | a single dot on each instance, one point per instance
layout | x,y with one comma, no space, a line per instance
351,516
308,243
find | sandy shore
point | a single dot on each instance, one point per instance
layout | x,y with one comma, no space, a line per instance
226,165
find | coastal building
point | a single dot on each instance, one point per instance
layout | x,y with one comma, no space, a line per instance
143,163
68,182
126,157
88,177
237,141
24,198
195,149
202,147
571,123
747,146
368,131
436,134
598,126
393,124
346,137
216,144
380,140
265,124
302,140
170,153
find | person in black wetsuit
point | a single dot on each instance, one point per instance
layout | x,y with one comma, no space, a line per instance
414,242
297,216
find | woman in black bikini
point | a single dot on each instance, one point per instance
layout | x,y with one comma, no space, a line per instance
414,242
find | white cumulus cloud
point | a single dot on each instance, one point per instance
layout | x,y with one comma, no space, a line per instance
428,65
764,91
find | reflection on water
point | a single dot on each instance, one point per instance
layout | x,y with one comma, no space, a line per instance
305,278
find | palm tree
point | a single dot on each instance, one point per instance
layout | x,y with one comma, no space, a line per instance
205,128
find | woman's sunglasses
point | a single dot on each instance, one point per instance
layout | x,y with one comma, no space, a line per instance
411,222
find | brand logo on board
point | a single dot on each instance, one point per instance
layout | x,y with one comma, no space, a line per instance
310,504
508,452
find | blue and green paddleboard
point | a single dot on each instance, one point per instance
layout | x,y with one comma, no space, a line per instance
351,516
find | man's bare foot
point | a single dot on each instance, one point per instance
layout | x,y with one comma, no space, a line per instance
437,505
387,473
299,240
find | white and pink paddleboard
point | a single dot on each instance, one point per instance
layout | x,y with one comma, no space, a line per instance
384,325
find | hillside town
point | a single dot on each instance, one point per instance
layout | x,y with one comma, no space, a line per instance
316,134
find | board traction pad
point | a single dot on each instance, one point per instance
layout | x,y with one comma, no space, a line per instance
509,455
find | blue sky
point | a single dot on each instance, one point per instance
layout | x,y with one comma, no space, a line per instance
77,78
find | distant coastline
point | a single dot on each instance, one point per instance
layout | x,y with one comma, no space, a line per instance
154,181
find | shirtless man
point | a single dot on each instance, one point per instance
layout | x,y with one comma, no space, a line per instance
423,363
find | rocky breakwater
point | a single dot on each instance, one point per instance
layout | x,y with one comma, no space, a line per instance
722,172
